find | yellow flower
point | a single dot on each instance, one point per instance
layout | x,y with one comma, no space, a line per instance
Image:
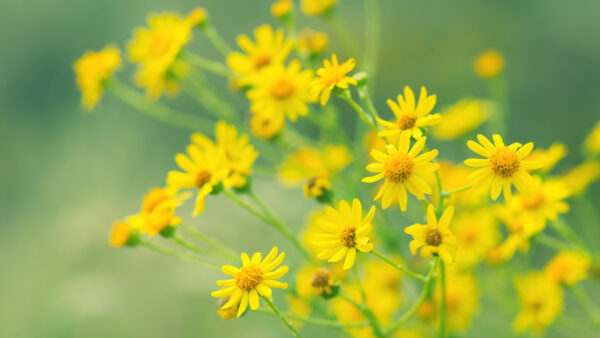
316,186
300,308
580,177
93,69
503,166
477,233
489,64
541,301
204,168
343,231
402,169
312,281
382,283
592,142
158,210
332,75
270,48
229,313
549,157
255,278
455,176
568,267
462,299
121,232
308,162
461,118
281,8
267,127
410,118
317,7
311,42
280,90
434,237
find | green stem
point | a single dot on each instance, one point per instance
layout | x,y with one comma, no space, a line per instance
442,332
281,317
217,41
208,98
317,321
550,241
368,314
567,233
399,267
208,65
190,246
373,36
454,191
590,308
178,255
227,252
364,94
361,113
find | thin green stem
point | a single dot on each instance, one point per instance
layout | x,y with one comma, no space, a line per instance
442,332
399,267
206,64
550,242
316,321
373,36
281,317
368,314
588,306
364,94
178,255
225,251
208,98
567,233
217,41
190,246
361,113
454,191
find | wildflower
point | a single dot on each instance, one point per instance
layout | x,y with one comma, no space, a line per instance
462,299
203,169
580,177
270,48
280,90
592,142
410,118
311,42
434,237
267,127
476,233
489,64
402,169
343,231
332,75
461,118
541,301
455,176
255,277
93,69
317,186
548,157
317,7
229,313
504,166
308,162
123,233
281,8
568,267
158,210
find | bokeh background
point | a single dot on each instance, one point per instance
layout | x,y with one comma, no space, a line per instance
65,174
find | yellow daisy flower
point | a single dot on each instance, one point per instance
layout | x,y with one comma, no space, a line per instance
312,281
434,237
316,186
410,118
332,75
93,69
270,48
158,210
311,42
255,278
461,118
280,90
204,168
541,302
548,157
317,7
503,166
568,267
343,231
455,176
402,169
489,64
580,177
592,142
477,234
266,127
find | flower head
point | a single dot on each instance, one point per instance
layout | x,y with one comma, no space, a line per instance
476,233
317,7
123,233
158,210
343,231
503,166
548,157
332,75
580,177
93,69
541,301
410,117
434,237
316,186
305,163
267,127
402,169
461,118
311,42
255,278
568,267
281,8
489,64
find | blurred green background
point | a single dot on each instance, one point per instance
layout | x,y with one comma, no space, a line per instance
66,175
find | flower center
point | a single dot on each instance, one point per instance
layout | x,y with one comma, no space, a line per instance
505,162
282,89
398,168
434,237
249,277
533,201
261,60
203,177
407,121
348,237
320,278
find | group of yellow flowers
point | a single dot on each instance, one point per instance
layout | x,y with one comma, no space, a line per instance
460,228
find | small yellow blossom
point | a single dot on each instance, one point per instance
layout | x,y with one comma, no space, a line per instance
308,162
121,232
158,210
592,142
477,233
197,17
462,299
548,157
311,42
455,176
343,231
580,177
503,166
489,64
461,118
282,8
410,118
332,75
317,7
316,186
568,267
93,69
255,278
434,237
267,127
541,301
228,313
402,169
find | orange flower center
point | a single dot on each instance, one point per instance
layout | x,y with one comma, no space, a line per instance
321,278
261,59
203,177
407,121
533,201
282,89
398,168
348,237
434,237
249,277
505,162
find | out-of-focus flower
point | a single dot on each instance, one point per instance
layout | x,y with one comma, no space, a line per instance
410,117
461,118
267,126
502,167
581,176
462,299
489,64
592,142
158,210
311,42
308,162
92,70
477,233
568,267
332,75
317,7
383,288
402,169
123,233
300,308
541,301
434,237
281,8
255,278
316,186
548,157
455,176
228,313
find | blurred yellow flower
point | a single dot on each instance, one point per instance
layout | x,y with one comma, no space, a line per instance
300,308
267,126
158,210
92,70
316,186
332,75
489,64
503,166
255,278
580,177
383,289
462,299
343,231
308,162
317,7
410,118
541,301
455,176
477,233
461,118
121,232
548,157
402,169
568,267
311,42
592,142
228,313
434,237
281,8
